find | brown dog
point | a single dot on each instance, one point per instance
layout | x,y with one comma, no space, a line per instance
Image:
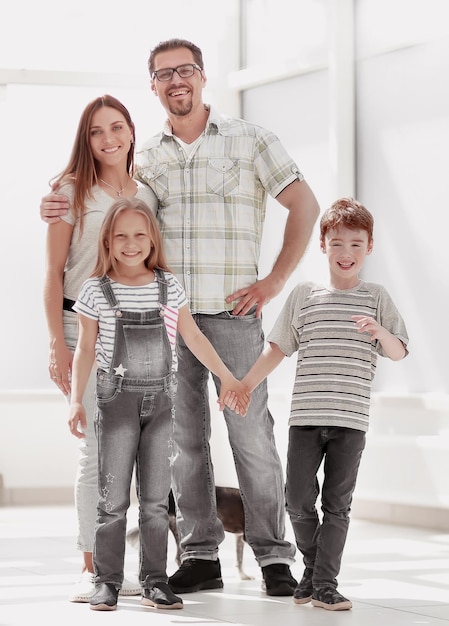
229,511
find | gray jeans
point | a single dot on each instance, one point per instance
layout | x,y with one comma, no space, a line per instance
86,481
322,542
238,341
134,427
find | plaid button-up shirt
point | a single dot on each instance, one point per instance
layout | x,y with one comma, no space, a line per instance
212,204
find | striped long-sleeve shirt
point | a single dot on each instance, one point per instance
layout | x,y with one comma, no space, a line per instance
336,364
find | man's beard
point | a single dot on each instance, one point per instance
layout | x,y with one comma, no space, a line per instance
181,109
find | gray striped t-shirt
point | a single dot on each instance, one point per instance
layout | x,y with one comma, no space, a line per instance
336,364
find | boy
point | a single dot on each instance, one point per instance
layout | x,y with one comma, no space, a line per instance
338,331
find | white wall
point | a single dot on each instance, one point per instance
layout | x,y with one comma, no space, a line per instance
38,456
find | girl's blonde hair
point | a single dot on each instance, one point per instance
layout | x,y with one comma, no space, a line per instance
81,170
105,259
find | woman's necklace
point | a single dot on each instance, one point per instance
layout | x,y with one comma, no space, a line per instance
117,191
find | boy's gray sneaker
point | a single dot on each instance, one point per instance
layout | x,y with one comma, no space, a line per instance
303,592
328,598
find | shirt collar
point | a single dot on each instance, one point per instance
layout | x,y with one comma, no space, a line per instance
215,122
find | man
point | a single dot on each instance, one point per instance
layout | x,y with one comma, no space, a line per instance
211,175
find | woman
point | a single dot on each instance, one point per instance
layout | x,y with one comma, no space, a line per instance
99,171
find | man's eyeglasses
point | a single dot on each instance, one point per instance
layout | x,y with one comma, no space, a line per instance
184,71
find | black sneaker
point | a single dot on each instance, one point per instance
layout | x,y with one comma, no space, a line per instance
278,580
195,575
104,598
328,598
161,597
303,592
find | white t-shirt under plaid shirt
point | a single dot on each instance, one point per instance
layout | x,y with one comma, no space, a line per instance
212,204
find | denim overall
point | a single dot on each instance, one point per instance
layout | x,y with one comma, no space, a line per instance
134,428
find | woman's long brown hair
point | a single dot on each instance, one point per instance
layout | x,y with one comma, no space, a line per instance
81,170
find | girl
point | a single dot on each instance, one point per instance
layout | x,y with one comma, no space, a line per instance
99,171
129,313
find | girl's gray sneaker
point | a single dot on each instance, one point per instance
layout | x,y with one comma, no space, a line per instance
160,596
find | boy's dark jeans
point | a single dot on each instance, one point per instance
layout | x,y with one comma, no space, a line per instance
322,543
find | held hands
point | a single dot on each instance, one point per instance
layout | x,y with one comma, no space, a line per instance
77,420
235,396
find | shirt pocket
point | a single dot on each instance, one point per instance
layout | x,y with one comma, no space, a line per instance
156,177
223,176
106,391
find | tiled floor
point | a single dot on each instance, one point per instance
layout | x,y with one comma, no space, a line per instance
395,576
